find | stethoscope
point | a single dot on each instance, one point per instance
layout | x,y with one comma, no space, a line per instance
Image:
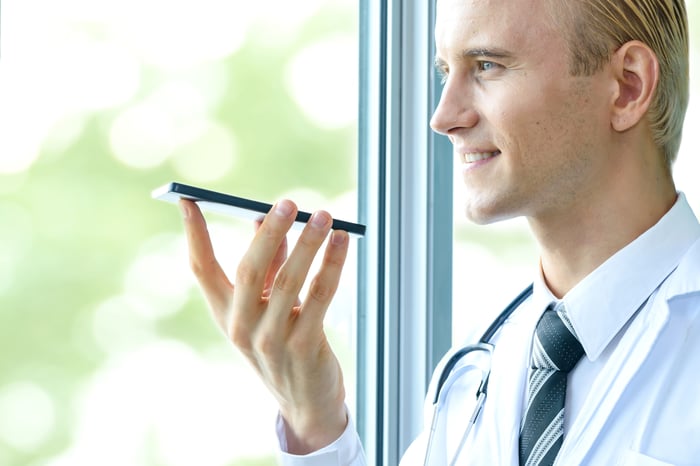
484,345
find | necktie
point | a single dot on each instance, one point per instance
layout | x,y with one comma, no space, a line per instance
555,352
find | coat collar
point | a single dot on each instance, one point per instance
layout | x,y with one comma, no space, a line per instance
603,302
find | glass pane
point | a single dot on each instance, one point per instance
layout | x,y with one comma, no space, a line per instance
491,265
107,353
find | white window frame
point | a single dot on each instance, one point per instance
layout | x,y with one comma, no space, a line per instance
405,198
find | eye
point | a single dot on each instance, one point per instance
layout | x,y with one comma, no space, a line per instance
486,65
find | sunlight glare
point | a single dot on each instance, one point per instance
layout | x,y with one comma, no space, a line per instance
322,79
27,415
687,166
165,404
278,20
147,133
181,35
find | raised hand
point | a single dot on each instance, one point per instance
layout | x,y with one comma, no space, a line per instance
279,333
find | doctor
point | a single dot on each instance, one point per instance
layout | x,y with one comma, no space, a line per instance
566,112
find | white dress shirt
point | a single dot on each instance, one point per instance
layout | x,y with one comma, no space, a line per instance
634,398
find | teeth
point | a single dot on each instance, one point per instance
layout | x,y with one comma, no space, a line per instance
476,156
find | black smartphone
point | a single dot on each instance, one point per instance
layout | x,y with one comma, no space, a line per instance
238,206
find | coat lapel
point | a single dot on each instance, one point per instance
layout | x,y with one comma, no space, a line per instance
633,349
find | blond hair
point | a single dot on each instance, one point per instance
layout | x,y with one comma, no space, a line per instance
596,28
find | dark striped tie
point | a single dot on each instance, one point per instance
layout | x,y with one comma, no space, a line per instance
555,352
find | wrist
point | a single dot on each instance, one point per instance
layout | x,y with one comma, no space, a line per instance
307,435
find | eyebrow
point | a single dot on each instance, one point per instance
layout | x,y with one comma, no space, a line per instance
479,52
487,52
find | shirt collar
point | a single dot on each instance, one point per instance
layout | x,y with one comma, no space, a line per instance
601,304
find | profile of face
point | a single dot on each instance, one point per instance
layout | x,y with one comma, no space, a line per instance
531,139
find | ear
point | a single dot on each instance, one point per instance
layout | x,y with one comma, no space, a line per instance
636,72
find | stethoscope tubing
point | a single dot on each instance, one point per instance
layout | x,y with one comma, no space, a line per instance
484,340
484,344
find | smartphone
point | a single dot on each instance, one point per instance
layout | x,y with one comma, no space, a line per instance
238,206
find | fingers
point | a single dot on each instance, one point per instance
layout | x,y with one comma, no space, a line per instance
293,273
324,285
268,283
216,287
256,267
277,262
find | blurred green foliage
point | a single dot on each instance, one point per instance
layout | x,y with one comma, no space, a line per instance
82,216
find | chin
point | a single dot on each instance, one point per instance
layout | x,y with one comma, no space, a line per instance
484,220
487,213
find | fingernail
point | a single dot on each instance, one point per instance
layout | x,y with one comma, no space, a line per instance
338,238
184,208
318,220
283,209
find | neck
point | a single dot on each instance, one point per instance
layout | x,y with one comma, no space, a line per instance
584,234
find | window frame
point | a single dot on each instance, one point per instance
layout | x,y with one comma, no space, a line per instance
405,198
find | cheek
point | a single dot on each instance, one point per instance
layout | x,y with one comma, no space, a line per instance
527,129
532,121
553,122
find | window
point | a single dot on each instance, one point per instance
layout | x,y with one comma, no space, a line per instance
406,200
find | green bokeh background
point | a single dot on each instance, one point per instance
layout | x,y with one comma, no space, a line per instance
82,216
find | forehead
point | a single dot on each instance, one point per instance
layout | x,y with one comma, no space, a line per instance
517,25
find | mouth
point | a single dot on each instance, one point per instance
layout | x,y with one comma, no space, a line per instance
472,157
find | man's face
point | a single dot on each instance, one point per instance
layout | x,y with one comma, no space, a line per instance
530,138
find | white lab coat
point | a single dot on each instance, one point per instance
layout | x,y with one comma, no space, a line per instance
644,407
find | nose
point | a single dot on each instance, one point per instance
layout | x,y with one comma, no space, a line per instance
455,110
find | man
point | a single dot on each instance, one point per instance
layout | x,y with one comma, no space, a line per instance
567,112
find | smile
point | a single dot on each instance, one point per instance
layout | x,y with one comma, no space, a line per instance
472,157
